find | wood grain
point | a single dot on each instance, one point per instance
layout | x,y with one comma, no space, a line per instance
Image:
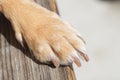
18,63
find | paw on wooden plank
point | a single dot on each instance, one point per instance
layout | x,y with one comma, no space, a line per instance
47,35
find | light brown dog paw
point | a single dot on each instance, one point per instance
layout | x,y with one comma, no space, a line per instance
49,37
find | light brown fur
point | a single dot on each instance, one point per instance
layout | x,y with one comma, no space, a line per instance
47,35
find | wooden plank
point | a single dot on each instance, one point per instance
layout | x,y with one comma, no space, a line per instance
17,63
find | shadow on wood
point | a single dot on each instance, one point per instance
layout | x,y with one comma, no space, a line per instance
18,63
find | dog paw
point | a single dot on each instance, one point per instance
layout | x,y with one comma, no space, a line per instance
54,41
49,37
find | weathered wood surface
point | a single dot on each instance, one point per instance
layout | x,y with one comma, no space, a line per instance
17,63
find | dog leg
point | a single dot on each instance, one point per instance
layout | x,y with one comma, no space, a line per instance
47,35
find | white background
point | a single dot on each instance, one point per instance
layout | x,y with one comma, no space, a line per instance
99,23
